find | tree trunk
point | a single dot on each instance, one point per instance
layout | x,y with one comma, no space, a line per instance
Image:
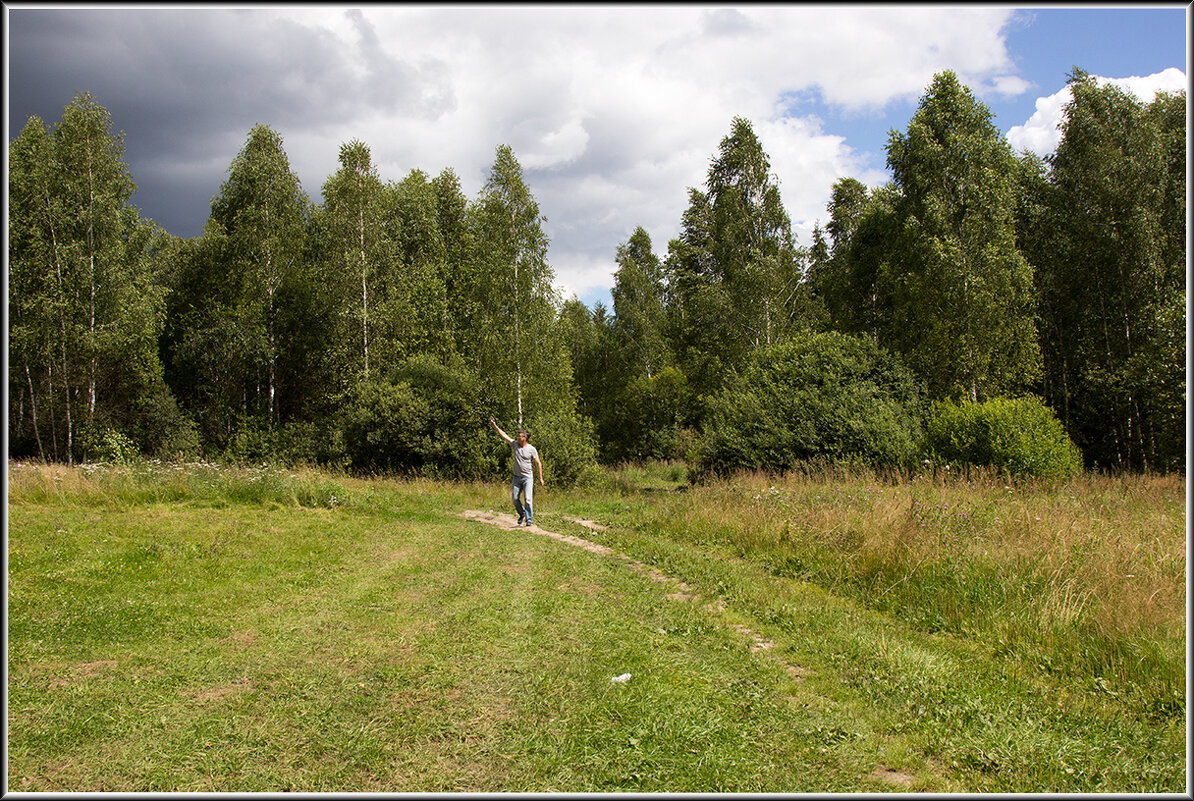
33,411
517,345
517,330
92,363
62,303
364,288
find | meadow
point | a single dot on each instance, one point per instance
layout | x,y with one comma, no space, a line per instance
197,627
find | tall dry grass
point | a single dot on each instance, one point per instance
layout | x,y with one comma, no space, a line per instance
1084,576
125,485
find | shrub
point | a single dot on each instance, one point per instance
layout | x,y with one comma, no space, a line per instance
255,441
1018,436
308,443
565,443
161,428
107,445
818,396
652,419
423,419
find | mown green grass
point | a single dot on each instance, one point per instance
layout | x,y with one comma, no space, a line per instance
201,630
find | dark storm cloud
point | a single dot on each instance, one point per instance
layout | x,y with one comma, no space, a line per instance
186,86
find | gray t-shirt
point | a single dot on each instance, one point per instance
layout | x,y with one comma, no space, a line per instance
524,458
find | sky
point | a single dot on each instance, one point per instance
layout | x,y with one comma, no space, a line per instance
613,111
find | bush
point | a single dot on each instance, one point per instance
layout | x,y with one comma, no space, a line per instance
564,440
255,441
307,443
160,428
818,396
1018,436
652,412
423,420
107,445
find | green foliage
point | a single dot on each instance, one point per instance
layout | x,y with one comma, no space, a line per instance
849,277
283,332
311,443
566,447
1159,371
457,234
1112,257
590,342
241,338
107,445
162,429
415,309
638,307
961,292
255,441
825,395
652,424
423,420
513,336
356,249
1018,436
734,273
625,367
85,309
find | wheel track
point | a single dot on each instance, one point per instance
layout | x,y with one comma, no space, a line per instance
679,591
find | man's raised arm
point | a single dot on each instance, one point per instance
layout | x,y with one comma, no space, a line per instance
501,433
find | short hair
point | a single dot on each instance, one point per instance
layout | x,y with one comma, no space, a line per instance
524,431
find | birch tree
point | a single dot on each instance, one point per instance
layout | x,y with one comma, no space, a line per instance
1114,274
852,275
638,305
262,212
357,247
84,306
516,338
961,292
37,307
456,232
513,286
751,242
417,309
734,272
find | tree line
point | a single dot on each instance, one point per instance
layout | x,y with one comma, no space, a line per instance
381,328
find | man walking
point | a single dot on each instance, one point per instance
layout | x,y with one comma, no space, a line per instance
523,481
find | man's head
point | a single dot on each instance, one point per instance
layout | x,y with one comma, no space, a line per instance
523,436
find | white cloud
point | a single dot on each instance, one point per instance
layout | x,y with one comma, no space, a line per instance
1041,133
808,162
614,111
1008,86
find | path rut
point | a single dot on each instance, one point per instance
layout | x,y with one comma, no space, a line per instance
679,590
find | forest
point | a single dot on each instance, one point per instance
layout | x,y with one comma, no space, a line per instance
982,308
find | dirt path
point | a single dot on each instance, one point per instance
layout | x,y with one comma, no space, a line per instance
679,590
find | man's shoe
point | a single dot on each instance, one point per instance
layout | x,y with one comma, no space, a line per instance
521,520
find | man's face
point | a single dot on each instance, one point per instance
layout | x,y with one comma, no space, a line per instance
522,438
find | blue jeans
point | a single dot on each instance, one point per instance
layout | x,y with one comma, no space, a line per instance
525,486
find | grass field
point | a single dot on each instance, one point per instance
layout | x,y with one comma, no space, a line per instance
198,628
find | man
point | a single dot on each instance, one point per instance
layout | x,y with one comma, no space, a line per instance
523,481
